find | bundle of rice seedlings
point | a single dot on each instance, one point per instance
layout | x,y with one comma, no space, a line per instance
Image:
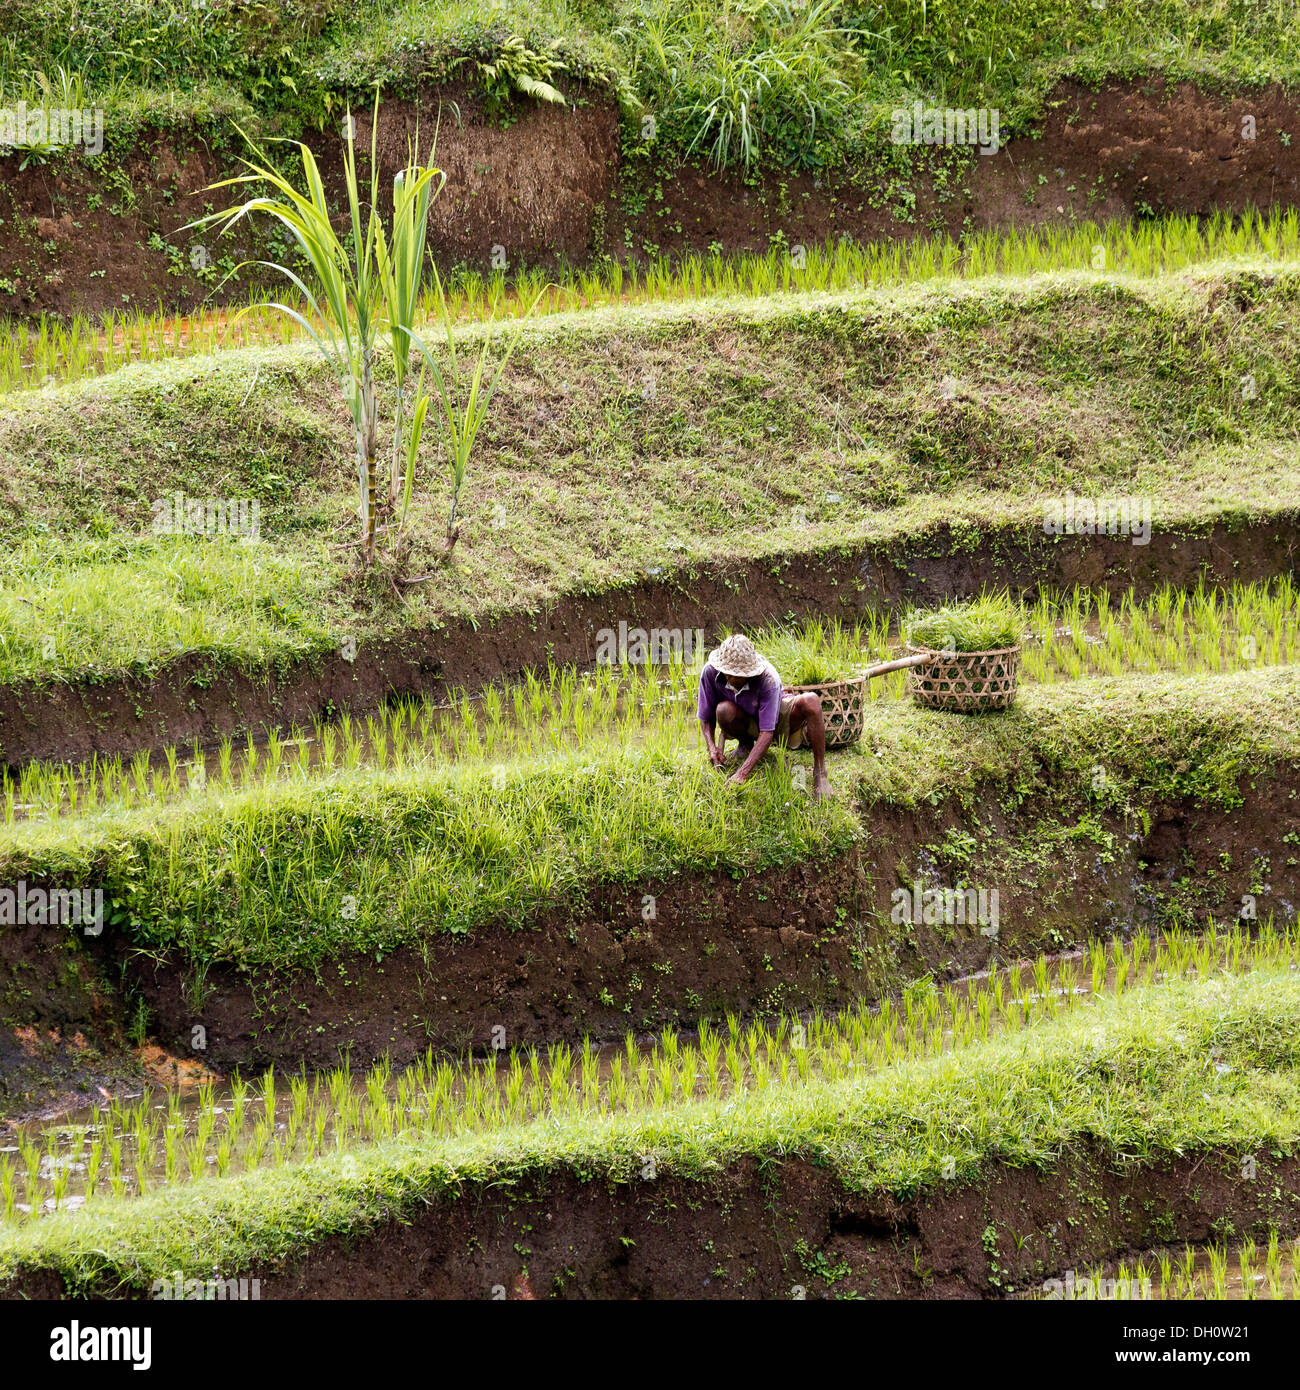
987,623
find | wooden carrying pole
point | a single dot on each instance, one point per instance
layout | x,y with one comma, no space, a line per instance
901,664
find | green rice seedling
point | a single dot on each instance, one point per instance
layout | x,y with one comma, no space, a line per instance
30,1155
984,1009
320,1119
688,1072
664,1078
238,1102
987,623
196,1155
251,755
515,1098
1218,1258
9,1189
304,754
616,1089
225,752
492,704
116,1172
1246,1256
268,1097
1141,948
224,1155
61,1174
274,756
1122,963
590,1067
256,1147
140,775
1189,1267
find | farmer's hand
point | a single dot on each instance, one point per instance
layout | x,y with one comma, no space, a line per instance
737,779
716,756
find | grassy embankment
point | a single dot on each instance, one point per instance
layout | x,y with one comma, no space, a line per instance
788,425
257,872
1164,1069
78,346
770,83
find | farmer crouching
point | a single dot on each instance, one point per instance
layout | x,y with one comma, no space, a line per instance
741,694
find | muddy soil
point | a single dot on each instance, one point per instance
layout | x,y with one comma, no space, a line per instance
790,938
198,699
780,1230
1129,150
554,185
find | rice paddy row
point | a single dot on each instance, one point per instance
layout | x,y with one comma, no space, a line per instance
1067,637
58,350
1216,1272
1095,383
123,1148
1197,1065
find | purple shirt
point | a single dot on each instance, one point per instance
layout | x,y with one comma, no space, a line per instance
759,697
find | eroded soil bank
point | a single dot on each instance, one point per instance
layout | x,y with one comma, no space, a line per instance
789,938
777,1229
198,699
560,184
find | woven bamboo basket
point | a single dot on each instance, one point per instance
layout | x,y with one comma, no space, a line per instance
968,682
842,704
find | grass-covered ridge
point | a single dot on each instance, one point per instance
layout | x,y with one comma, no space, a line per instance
361,860
761,80
445,1098
69,349
1173,632
794,423
1129,1075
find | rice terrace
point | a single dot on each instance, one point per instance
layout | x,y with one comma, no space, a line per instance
650,651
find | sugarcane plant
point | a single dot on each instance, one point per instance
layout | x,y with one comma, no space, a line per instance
367,284
464,396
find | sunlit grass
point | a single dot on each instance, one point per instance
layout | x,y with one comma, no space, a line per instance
1066,637
136,1147
57,350
1125,1074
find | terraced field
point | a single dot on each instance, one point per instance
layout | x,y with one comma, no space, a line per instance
373,921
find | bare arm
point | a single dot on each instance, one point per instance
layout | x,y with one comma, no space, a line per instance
763,743
712,748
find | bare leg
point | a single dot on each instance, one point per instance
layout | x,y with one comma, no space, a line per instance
732,723
806,714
